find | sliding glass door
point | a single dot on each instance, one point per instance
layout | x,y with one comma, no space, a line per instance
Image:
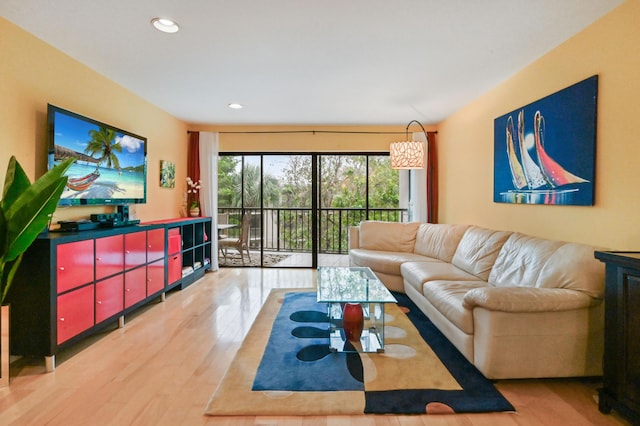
301,205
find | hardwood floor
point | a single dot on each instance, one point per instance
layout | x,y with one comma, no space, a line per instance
163,366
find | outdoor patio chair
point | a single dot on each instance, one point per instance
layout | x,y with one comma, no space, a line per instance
241,243
223,219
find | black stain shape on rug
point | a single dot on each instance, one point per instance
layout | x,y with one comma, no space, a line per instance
313,352
310,333
354,362
309,316
318,351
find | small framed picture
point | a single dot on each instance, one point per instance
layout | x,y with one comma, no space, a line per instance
167,174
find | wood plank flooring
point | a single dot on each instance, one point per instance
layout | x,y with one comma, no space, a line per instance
164,365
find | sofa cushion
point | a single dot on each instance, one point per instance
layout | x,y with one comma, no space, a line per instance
438,240
520,260
574,267
388,236
448,298
387,262
478,250
418,273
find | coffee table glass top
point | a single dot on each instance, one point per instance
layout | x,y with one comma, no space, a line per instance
351,284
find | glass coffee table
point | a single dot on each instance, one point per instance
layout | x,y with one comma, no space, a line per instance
355,300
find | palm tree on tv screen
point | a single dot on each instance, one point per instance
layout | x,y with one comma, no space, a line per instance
103,142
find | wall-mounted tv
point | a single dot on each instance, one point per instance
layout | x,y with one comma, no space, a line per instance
111,165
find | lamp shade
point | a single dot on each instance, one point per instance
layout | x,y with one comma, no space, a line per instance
407,155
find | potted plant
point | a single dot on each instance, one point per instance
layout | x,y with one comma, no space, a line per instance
192,196
25,209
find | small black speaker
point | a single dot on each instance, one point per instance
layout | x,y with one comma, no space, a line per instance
123,212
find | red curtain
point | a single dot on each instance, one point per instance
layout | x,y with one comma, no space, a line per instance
432,178
193,161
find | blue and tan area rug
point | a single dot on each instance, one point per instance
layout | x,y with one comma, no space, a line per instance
284,367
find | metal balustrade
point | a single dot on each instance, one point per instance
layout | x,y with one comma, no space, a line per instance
290,229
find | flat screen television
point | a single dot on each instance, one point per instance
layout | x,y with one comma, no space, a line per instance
111,165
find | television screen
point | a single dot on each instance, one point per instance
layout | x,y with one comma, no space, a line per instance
111,165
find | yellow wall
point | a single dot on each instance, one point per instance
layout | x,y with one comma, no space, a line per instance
32,74
608,48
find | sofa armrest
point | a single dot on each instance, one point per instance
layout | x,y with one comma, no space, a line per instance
527,299
354,237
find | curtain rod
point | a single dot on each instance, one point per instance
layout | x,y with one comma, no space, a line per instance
313,131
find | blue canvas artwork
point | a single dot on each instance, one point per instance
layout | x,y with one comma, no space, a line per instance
544,153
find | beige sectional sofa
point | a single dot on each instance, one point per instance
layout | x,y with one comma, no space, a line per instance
516,306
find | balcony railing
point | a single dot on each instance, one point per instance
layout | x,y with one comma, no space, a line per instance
290,229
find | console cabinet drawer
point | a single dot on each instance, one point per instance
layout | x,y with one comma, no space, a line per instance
174,263
135,286
155,244
75,313
175,241
109,256
74,265
135,249
109,297
155,277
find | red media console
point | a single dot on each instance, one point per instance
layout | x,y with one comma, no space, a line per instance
73,284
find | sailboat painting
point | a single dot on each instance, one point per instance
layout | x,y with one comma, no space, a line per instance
544,153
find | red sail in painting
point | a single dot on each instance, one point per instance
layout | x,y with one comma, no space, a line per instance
554,172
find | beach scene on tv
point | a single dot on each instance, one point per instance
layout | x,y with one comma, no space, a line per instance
110,165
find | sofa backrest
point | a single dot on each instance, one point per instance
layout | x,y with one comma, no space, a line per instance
478,250
388,236
573,266
438,241
520,260
526,261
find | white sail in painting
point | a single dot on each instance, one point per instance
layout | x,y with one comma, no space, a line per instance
517,174
533,174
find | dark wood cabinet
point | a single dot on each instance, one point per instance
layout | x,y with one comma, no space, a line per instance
70,285
621,364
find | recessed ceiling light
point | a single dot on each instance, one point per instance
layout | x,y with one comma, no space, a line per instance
235,106
165,25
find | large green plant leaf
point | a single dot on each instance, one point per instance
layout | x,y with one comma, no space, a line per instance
15,183
29,213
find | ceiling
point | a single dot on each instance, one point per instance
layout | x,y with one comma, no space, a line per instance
329,62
